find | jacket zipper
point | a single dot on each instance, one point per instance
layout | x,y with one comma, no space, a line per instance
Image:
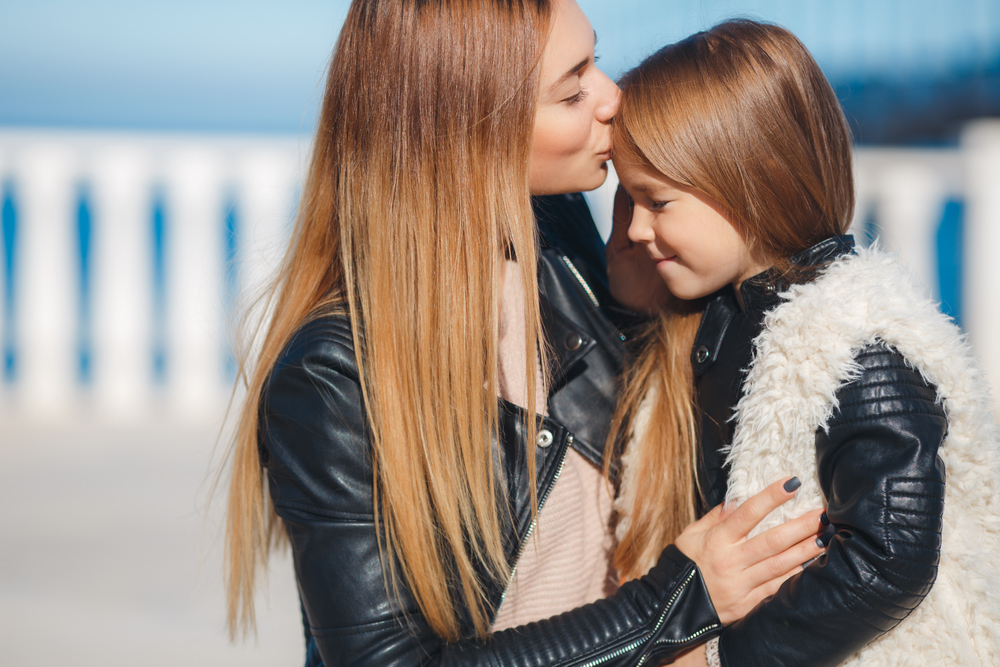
586,288
531,528
663,617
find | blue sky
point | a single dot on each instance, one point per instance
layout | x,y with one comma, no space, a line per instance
258,66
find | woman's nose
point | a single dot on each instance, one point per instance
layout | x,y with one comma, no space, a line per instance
611,95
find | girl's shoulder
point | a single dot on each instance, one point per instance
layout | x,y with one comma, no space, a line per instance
858,298
887,386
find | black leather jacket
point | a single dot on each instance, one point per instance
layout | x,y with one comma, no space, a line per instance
878,469
319,471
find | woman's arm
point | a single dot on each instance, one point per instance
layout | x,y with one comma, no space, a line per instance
320,478
884,483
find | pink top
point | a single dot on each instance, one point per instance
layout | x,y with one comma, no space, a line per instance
566,561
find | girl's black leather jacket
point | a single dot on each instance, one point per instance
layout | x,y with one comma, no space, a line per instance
319,471
879,471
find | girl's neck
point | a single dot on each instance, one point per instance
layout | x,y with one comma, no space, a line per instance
754,270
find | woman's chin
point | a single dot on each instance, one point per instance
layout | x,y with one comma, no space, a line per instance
594,180
570,180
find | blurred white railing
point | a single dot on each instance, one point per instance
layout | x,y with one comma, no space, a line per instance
197,182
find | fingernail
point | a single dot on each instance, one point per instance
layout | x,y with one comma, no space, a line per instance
809,562
824,519
791,485
823,541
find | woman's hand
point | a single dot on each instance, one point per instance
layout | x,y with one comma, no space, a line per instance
632,274
739,572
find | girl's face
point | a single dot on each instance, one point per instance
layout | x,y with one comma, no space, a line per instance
689,236
576,102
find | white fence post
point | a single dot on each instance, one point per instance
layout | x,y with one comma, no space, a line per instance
266,190
122,250
46,281
910,203
981,147
194,257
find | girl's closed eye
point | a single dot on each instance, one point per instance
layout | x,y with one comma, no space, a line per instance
658,205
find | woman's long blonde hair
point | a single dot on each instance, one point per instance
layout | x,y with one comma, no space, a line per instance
743,114
417,191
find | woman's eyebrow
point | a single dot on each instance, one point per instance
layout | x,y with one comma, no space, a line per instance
573,71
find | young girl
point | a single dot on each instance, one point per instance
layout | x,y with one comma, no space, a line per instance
785,348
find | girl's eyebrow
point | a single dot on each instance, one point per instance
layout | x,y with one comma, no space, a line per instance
642,188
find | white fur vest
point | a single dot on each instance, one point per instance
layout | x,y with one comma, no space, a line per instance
805,353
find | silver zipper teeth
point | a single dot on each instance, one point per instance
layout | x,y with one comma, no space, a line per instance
586,287
686,639
531,528
663,616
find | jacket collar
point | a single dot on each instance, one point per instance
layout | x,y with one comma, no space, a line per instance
568,343
586,353
760,294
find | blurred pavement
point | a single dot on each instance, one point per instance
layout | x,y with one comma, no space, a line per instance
108,556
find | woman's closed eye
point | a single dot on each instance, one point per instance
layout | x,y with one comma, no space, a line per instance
580,95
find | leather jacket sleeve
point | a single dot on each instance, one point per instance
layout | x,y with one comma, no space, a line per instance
319,472
884,485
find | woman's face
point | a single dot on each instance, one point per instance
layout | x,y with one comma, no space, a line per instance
689,235
576,102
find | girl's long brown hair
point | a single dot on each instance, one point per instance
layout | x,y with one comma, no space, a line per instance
743,114
417,191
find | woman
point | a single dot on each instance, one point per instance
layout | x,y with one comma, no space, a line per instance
411,300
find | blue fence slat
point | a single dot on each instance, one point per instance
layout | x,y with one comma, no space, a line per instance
8,223
949,242
85,320
158,221
231,285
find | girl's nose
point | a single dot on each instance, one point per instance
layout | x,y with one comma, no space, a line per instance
639,230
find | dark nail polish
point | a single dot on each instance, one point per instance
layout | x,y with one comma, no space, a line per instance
823,541
824,519
809,562
792,485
